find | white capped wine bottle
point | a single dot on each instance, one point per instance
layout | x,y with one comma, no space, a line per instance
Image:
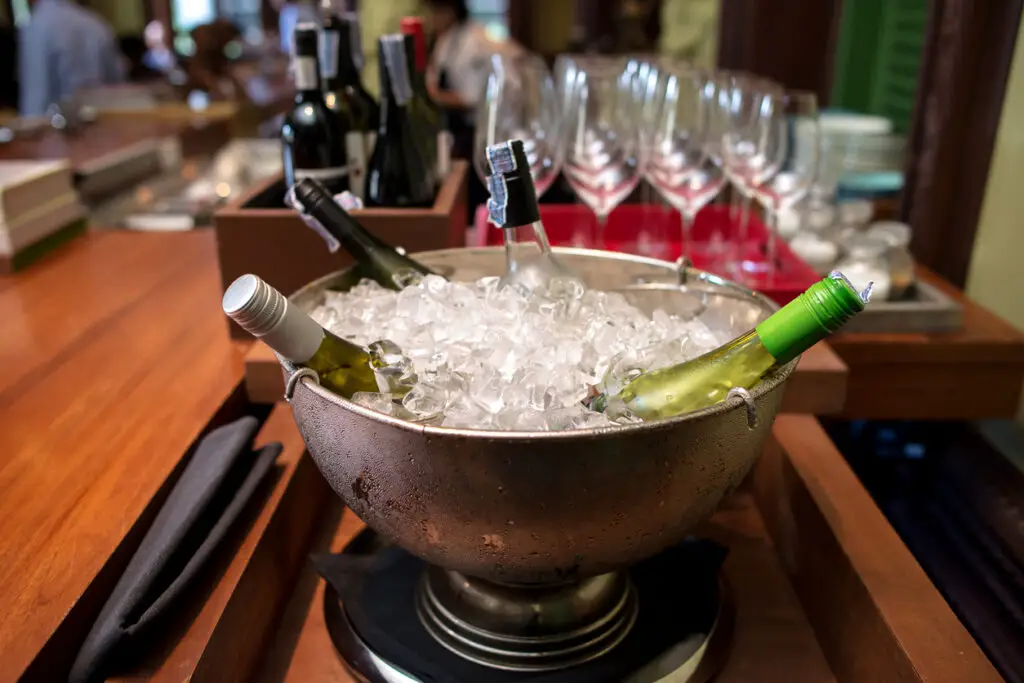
513,205
742,362
343,367
376,259
312,143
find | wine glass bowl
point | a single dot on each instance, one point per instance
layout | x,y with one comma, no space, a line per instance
520,102
602,156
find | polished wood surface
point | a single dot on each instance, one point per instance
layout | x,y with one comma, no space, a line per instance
972,373
772,641
876,614
817,386
113,359
221,634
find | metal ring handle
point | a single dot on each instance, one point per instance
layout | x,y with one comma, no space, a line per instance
744,395
295,375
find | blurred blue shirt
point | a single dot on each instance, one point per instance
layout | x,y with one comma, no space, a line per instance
63,49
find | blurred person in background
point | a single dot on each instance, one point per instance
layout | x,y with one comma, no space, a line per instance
689,31
159,55
458,68
209,69
62,49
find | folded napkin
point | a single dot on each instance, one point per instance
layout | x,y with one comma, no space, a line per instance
218,481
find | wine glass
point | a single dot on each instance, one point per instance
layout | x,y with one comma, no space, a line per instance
601,130
520,101
680,166
751,153
794,141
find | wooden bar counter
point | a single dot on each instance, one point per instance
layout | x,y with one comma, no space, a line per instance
114,358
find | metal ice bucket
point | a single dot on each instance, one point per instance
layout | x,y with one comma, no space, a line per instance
543,508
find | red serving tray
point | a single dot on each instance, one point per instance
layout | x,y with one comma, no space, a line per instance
656,230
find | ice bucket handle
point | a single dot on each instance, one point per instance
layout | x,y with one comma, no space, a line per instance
295,375
745,397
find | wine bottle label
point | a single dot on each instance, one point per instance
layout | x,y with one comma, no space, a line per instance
355,149
330,45
392,52
304,72
444,154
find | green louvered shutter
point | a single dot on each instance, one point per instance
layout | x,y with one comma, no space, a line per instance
878,58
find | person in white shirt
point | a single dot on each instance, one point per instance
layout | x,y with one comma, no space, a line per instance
460,60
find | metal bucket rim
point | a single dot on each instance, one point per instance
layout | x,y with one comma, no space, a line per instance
771,383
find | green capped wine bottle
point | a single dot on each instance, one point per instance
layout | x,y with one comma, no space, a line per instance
377,259
343,367
742,362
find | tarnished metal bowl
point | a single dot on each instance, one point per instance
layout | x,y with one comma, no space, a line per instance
529,507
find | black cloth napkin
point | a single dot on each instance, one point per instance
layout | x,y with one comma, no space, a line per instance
678,592
218,481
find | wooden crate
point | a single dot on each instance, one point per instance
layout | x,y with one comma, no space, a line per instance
258,235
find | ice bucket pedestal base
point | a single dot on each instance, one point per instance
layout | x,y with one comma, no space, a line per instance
394,619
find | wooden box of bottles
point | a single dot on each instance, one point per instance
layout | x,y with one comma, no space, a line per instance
257,234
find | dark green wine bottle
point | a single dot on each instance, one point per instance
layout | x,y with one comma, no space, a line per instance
377,259
343,367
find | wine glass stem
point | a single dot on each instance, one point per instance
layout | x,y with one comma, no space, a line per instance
602,222
744,219
686,248
773,217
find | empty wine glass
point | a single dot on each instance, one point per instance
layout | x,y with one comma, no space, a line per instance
520,102
680,166
751,152
794,140
601,158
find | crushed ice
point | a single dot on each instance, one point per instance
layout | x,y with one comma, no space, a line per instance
493,358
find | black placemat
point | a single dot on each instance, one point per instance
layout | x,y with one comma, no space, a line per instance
678,592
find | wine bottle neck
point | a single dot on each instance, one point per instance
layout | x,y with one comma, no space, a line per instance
812,316
338,64
265,313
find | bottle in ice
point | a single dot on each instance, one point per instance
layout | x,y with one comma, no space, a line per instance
399,174
742,362
312,143
343,367
376,259
513,205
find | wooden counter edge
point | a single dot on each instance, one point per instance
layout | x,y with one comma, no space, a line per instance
817,386
877,615
224,641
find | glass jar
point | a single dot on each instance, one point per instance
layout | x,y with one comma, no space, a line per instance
855,213
901,263
866,261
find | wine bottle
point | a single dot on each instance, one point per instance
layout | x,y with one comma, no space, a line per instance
377,259
398,173
312,145
742,362
513,205
343,367
357,111
434,115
